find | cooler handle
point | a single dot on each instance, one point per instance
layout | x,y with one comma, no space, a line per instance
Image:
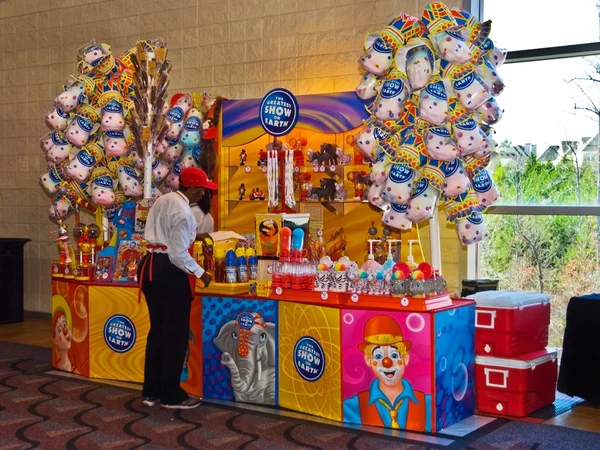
488,371
492,321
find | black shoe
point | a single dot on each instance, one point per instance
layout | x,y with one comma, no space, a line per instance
150,401
190,403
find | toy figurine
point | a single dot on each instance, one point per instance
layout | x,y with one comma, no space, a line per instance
257,194
261,161
360,180
132,270
243,157
242,191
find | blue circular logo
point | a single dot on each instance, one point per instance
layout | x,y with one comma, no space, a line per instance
392,88
192,124
119,333
420,187
85,124
380,134
381,46
246,321
86,158
482,182
399,208
452,167
400,173
475,218
440,131
175,115
309,358
105,181
464,82
437,89
279,112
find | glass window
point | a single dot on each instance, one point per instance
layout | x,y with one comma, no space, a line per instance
526,24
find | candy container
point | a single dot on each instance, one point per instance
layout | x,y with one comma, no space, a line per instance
115,143
489,74
393,93
433,103
129,180
102,187
192,129
112,118
423,201
397,217
485,189
84,123
176,115
80,167
469,136
61,206
57,119
366,89
60,148
398,185
457,181
490,112
378,58
439,144
471,229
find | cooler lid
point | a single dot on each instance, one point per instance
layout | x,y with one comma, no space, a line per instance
526,361
508,299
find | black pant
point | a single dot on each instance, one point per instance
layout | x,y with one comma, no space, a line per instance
169,300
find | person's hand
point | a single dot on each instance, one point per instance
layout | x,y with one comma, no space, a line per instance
206,278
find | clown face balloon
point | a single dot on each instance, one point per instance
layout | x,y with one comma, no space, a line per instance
389,103
452,47
399,185
440,145
57,119
366,89
397,217
423,202
378,58
433,103
115,143
457,182
471,229
112,117
130,182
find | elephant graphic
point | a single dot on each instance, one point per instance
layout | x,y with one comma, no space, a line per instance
248,346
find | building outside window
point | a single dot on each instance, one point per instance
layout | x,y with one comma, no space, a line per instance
544,232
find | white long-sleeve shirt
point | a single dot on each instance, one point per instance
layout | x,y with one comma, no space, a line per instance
204,222
171,222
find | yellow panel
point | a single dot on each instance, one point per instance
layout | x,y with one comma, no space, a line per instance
323,396
105,302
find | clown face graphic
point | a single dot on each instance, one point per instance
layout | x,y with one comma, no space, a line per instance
388,363
62,334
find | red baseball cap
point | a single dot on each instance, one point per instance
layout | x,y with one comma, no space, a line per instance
194,177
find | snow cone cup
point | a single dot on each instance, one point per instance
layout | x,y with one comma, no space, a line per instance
398,185
457,181
423,202
323,280
439,144
378,58
433,103
397,217
57,119
471,229
366,88
340,281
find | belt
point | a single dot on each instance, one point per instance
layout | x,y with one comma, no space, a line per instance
151,248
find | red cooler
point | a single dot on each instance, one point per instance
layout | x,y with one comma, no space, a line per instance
510,323
516,387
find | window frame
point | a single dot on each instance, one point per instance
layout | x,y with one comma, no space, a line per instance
522,56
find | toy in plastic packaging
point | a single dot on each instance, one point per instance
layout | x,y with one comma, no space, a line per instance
267,234
398,185
471,229
423,201
433,103
440,145
378,57
129,255
366,89
457,181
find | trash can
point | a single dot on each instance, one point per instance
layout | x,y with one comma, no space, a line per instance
11,279
470,287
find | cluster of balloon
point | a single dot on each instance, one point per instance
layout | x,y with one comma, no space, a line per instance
433,83
111,117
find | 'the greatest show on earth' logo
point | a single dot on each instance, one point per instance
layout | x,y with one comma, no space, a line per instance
279,112
309,358
119,333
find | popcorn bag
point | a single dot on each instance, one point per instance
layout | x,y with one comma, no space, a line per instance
398,185
457,182
423,202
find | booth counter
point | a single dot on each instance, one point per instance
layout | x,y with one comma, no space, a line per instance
400,364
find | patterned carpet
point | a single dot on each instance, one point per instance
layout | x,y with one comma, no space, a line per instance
42,410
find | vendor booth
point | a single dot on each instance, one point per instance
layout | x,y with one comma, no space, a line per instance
322,299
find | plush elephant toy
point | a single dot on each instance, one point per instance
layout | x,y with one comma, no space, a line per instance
248,346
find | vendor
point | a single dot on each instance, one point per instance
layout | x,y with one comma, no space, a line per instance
205,223
391,400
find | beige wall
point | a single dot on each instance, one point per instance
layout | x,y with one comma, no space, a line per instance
235,48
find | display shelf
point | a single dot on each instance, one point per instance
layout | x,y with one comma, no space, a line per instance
223,288
340,207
